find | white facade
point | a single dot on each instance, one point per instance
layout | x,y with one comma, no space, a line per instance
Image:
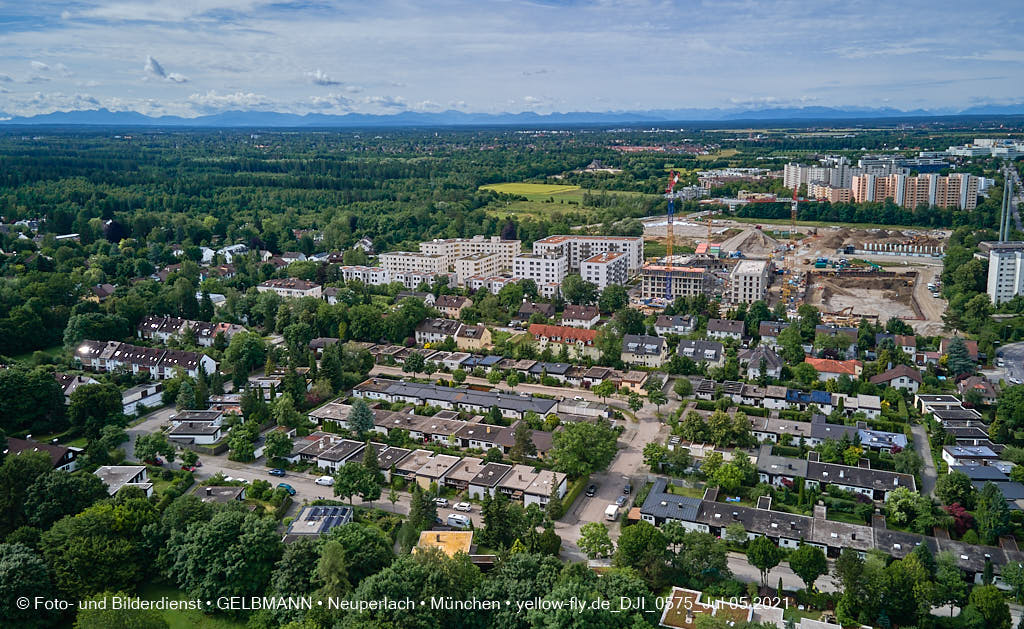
403,261
478,264
290,287
542,269
605,268
1005,272
452,249
748,281
372,275
578,248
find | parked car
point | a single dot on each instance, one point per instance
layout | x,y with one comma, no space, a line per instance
591,490
326,481
621,500
155,461
463,506
628,488
458,521
189,468
276,472
287,487
441,502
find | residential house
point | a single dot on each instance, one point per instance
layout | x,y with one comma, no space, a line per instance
197,432
712,353
473,338
70,382
677,324
542,486
117,476
753,360
436,330
579,341
291,287
143,396
646,351
319,344
900,377
981,385
848,336
101,292
972,347
314,521
63,458
487,480
725,329
435,470
769,332
463,472
427,298
829,369
968,455
580,316
159,363
529,308
451,306
213,494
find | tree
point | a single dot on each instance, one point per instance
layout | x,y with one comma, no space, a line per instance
958,358
459,376
149,446
278,445
642,547
512,379
360,419
414,363
991,514
186,396
791,345
682,387
989,602
23,573
763,554
809,563
347,480
232,554
594,540
102,614
1013,575
580,447
189,458
523,445
805,374
657,397
284,412
93,406
955,487
17,475
577,291
604,389
331,571
613,298
246,351
635,403
950,587
57,494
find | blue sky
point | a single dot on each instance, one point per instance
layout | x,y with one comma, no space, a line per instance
192,57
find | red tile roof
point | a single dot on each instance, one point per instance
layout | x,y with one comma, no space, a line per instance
827,365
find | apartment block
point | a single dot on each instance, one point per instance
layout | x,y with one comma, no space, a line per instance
452,249
544,269
749,280
685,281
411,261
832,194
372,275
958,190
1005,271
290,287
577,248
478,264
605,268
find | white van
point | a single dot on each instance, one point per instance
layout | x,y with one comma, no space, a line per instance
611,512
458,521
326,481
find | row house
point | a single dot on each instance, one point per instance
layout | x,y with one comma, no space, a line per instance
711,353
725,329
291,287
644,351
104,356
789,530
165,328
861,479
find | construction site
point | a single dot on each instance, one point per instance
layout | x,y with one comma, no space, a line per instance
848,273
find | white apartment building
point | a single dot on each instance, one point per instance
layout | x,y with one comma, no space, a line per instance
405,261
685,281
451,249
1005,271
605,268
479,264
290,287
372,275
577,248
748,281
493,284
542,269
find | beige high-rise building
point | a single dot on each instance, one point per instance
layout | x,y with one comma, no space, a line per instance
686,281
959,190
478,264
402,261
748,281
831,194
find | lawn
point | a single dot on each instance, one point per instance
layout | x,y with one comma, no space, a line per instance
723,154
52,352
185,619
689,492
538,191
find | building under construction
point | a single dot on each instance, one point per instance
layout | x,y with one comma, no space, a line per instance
686,281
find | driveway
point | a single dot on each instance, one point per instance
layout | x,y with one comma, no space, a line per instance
928,473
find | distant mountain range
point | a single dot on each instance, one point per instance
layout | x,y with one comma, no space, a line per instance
105,117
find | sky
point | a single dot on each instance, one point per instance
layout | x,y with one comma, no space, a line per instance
195,57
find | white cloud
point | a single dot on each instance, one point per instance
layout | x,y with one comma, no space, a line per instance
427,105
4,78
154,68
386,102
39,65
331,101
319,77
214,101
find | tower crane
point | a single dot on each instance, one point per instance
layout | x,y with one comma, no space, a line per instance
673,179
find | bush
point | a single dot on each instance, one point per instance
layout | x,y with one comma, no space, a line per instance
575,489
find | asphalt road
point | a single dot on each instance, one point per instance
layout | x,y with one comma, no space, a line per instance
928,472
1013,361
